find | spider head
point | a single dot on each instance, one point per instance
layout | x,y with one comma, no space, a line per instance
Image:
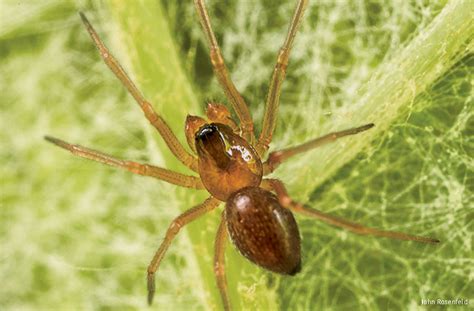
211,142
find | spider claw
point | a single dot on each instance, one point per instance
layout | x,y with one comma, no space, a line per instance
58,142
83,17
151,287
368,126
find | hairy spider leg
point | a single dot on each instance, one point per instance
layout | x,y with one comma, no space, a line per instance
277,157
273,97
134,167
223,76
219,262
208,205
285,200
156,120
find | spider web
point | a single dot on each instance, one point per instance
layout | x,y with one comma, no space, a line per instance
78,235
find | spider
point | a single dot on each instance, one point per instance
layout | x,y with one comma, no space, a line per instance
258,211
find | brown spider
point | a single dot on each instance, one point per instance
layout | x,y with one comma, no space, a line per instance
257,213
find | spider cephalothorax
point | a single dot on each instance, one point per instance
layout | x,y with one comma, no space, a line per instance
227,162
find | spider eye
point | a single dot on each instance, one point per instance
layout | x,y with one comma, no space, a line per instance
206,132
210,143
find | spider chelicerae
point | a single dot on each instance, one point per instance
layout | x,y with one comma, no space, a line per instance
228,159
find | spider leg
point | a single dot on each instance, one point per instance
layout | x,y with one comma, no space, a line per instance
277,157
287,202
156,120
134,167
273,97
222,74
180,221
219,262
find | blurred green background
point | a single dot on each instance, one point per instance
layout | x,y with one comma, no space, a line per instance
78,235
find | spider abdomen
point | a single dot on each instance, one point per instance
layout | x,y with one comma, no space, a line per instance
264,231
